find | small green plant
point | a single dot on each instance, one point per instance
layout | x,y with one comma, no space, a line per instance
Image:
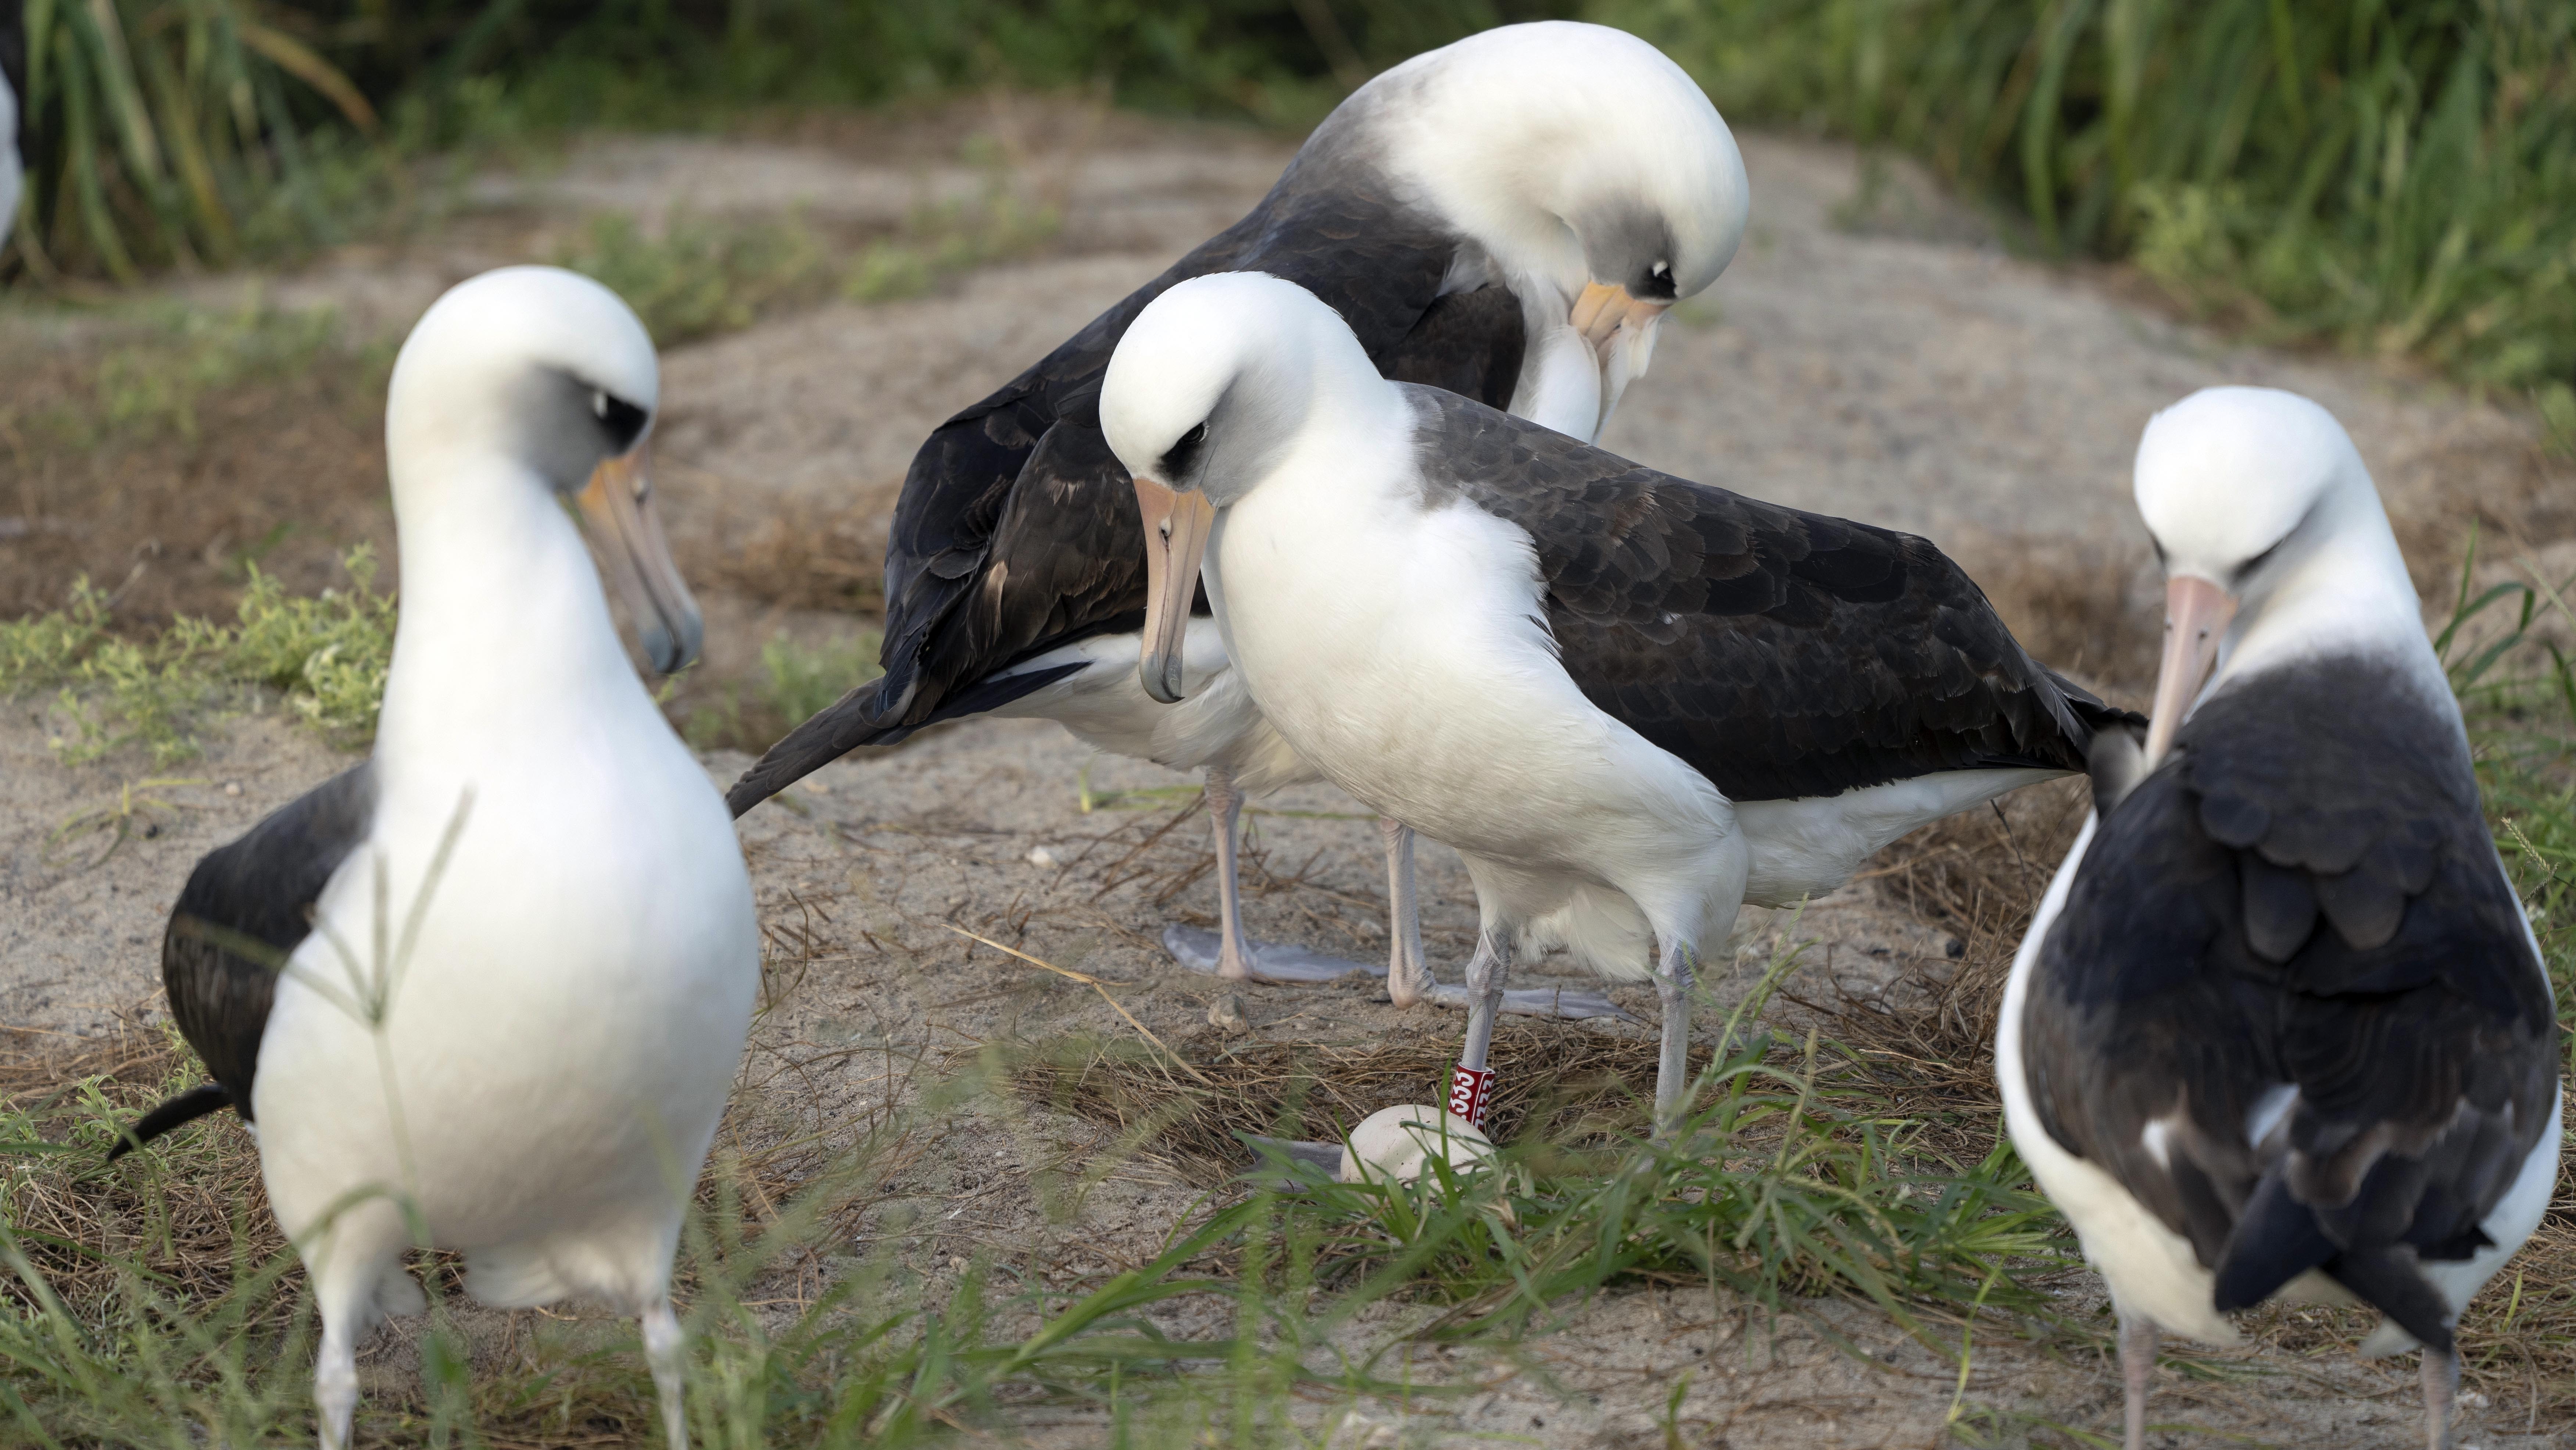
801,680
794,681
2517,689
701,276
153,387
327,656
172,360
942,241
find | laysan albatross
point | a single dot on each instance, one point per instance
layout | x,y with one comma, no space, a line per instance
1507,218
2280,1024
1630,702
500,973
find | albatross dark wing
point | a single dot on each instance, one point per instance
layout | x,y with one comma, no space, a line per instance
1016,531
1783,654
259,889
2302,898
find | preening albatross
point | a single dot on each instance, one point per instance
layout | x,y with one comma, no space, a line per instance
2280,1024
1506,218
1631,702
517,944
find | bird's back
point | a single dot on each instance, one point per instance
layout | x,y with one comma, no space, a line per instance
1783,654
2291,1003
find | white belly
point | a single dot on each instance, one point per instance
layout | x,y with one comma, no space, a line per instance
557,1046
1404,659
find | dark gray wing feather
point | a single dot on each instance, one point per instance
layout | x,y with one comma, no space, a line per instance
246,908
2304,893
1783,654
1016,531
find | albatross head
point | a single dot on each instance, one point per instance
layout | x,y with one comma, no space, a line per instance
549,375
1581,160
2246,490
1206,393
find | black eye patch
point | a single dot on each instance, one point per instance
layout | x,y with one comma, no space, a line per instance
620,419
2259,560
1182,454
1659,281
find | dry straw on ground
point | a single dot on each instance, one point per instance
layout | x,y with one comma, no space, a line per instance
1566,1082
86,1225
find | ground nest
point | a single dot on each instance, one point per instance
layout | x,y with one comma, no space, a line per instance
1557,1080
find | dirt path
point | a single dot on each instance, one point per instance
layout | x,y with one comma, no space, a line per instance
1871,353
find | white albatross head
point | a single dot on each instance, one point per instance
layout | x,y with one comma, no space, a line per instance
1574,155
552,375
1208,389
2252,494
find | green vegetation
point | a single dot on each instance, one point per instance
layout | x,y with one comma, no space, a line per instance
794,681
178,134
2394,179
2517,688
152,386
702,276
136,1297
1789,1180
802,681
326,656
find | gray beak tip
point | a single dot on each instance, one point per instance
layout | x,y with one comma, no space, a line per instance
670,652
1163,685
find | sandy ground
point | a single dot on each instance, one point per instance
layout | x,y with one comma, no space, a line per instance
1873,352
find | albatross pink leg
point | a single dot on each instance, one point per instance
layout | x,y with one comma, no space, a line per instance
1672,1067
1471,1086
1225,814
666,1351
2441,1388
1408,978
2137,1366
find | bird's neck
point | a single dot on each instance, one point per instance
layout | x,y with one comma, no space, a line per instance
1332,462
505,634
2349,594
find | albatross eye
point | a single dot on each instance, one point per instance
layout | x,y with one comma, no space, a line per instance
1177,460
623,421
1659,280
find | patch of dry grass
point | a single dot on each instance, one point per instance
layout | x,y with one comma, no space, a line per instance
192,1219
1568,1083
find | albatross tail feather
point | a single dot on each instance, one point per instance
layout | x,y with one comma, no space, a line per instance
852,721
178,1112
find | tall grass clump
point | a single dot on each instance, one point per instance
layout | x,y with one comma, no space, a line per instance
2394,178
2508,650
178,133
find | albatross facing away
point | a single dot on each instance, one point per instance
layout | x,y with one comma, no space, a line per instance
1631,702
1507,218
563,1000
2280,1023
